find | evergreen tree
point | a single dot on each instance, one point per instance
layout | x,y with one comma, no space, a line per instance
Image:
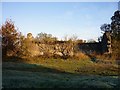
10,38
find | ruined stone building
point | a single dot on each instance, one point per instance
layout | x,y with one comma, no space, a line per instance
64,48
103,47
106,43
37,48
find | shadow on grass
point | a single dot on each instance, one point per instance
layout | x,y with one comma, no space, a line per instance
17,73
16,63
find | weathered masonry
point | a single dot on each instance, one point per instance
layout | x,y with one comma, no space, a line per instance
103,47
65,48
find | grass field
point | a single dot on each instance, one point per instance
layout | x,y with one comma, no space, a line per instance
54,73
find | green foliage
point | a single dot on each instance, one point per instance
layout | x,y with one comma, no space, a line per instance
10,38
25,45
115,26
114,30
28,48
45,38
105,27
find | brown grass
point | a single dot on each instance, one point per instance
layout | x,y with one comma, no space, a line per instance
81,56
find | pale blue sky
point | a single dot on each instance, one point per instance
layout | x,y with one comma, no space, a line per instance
59,19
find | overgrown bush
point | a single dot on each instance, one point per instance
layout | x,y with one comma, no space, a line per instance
28,48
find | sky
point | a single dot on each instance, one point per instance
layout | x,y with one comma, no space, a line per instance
60,19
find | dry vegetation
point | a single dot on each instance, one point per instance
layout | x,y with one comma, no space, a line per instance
73,65
23,66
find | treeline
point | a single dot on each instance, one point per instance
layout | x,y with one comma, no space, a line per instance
113,33
16,44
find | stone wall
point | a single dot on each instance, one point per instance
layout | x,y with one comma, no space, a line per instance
60,49
31,47
90,48
103,47
106,42
63,48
